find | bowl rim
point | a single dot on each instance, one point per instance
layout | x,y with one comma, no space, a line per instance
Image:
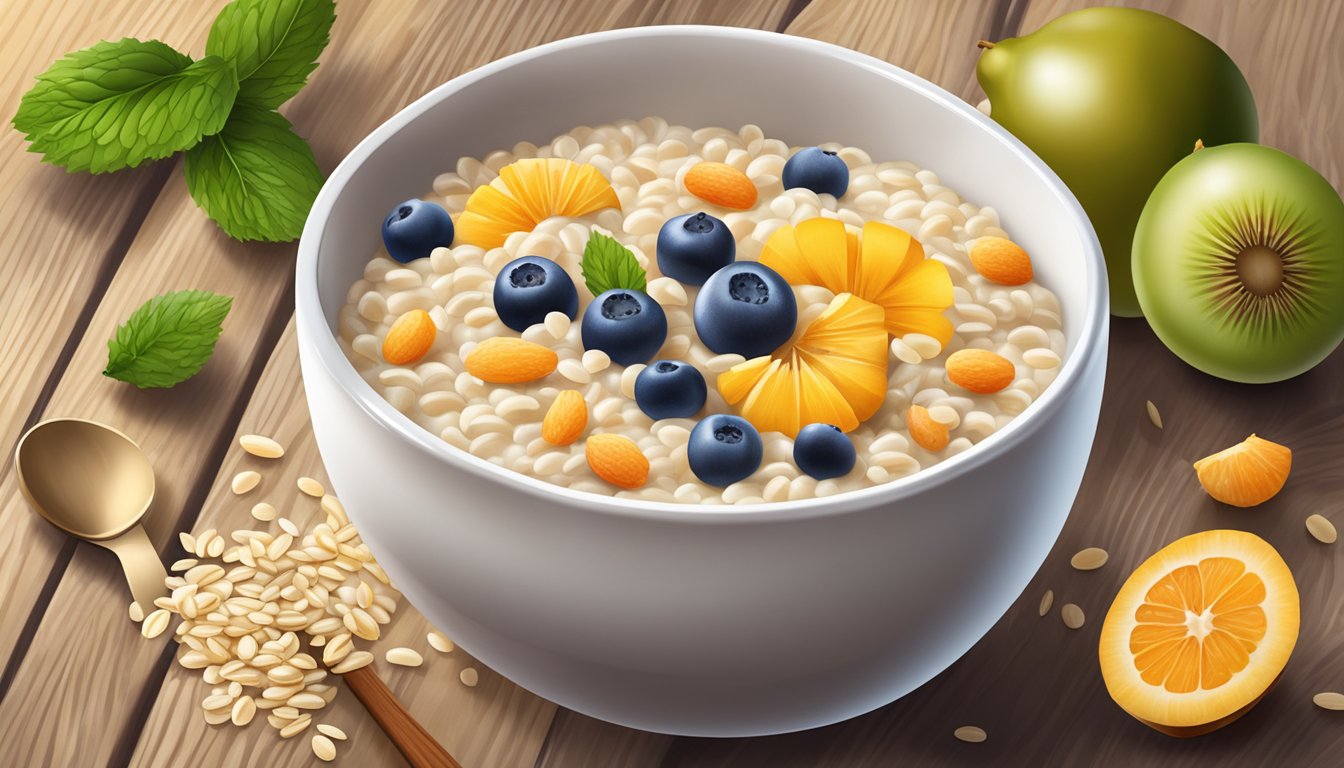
317,335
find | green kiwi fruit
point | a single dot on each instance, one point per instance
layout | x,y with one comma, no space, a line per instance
1238,263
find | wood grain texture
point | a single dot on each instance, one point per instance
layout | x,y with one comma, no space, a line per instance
934,40
63,234
1033,684
63,231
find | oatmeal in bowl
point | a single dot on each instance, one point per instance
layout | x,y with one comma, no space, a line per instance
701,315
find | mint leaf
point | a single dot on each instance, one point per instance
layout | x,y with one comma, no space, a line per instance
256,178
168,339
115,105
273,44
607,264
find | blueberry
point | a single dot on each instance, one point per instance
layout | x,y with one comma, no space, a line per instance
628,325
724,449
529,288
823,451
670,389
415,228
694,246
817,169
745,308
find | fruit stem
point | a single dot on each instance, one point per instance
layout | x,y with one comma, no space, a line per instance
985,44
1199,144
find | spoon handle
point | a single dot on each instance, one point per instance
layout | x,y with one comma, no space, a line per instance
407,735
144,570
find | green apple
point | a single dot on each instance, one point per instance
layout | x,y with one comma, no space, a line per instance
1239,263
1110,98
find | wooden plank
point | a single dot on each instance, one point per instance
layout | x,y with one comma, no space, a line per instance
64,233
83,632
495,723
578,740
1032,683
934,40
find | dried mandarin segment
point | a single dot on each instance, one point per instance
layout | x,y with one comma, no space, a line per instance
1000,260
929,434
1247,474
721,184
566,419
409,338
617,460
980,370
506,360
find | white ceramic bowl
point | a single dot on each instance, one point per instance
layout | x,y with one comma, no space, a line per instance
714,621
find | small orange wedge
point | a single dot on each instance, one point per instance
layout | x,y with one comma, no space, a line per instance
528,192
1247,474
1200,632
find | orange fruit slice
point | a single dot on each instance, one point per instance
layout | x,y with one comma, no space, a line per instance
886,267
530,191
834,373
1200,632
1247,474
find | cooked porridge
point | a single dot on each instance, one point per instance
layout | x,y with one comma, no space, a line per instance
546,386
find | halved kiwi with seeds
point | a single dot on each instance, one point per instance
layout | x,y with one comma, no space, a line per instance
1239,263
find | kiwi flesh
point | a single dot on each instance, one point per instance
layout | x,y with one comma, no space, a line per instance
1238,263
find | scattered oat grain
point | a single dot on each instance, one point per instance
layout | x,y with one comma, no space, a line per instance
1322,529
352,662
970,734
1153,414
1047,600
330,730
245,481
439,642
1072,616
137,613
470,677
324,748
261,446
404,657
263,512
1329,700
155,623
1089,559
311,487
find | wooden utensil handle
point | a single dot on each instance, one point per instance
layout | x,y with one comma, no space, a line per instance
411,739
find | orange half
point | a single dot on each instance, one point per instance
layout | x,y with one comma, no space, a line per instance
1200,632
529,191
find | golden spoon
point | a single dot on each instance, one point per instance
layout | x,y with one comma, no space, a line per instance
93,482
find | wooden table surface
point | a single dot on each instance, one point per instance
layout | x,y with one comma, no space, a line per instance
80,686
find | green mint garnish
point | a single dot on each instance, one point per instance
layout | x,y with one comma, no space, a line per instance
273,44
168,339
117,104
607,264
256,178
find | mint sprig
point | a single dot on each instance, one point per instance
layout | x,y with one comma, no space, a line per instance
274,44
607,264
117,104
168,339
256,178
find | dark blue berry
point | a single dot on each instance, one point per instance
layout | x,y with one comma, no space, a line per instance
823,451
724,449
694,246
626,324
670,389
746,308
817,169
529,288
415,228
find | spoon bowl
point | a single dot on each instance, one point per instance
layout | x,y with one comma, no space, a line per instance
94,483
